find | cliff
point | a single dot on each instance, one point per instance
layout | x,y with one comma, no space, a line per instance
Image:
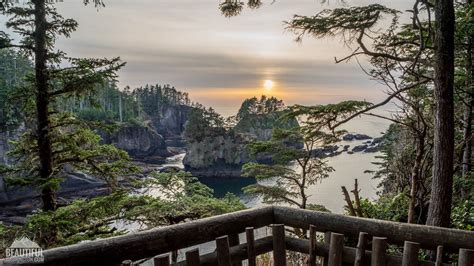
142,142
171,120
221,153
218,156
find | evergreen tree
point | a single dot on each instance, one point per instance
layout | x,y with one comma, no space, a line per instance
58,138
315,132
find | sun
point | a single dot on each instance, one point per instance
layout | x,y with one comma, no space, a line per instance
268,84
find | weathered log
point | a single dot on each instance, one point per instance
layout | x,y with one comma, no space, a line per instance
162,260
312,246
397,233
347,197
379,251
439,255
192,257
279,249
357,199
327,241
410,253
466,257
235,241
135,246
237,253
335,249
361,247
251,257
348,254
223,253
146,244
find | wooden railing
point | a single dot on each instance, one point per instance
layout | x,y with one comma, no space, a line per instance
372,238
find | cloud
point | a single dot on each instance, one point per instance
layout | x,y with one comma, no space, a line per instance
190,45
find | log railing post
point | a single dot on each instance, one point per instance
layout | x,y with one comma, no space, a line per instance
335,249
410,253
439,256
162,260
223,253
279,249
192,257
312,245
466,257
235,241
379,248
361,247
249,234
327,241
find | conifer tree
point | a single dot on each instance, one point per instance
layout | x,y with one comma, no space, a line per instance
58,138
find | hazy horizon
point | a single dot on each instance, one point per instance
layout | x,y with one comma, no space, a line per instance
220,61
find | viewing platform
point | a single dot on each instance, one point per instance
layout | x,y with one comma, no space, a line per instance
370,237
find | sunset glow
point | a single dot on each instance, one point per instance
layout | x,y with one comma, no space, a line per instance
268,85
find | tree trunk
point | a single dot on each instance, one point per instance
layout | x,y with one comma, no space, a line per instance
443,151
467,116
42,103
415,174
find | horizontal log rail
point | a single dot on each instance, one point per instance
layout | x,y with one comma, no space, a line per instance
224,228
397,233
148,243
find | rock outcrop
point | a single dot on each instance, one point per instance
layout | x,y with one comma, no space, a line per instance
142,142
360,148
171,121
218,156
327,151
350,137
17,202
223,152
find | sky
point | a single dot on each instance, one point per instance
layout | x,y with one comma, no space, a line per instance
220,61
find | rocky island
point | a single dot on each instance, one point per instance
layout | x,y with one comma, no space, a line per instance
218,149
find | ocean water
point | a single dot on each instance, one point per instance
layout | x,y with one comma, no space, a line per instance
328,192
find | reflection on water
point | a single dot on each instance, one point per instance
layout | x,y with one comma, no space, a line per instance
222,186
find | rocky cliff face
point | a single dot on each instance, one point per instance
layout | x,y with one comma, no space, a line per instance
219,156
224,154
170,123
142,142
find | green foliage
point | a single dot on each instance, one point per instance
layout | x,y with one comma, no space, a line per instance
462,215
14,68
290,183
387,207
327,117
395,162
153,98
230,8
76,145
63,139
262,106
203,123
296,168
341,21
94,114
181,198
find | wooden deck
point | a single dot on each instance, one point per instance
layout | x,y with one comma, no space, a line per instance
372,238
